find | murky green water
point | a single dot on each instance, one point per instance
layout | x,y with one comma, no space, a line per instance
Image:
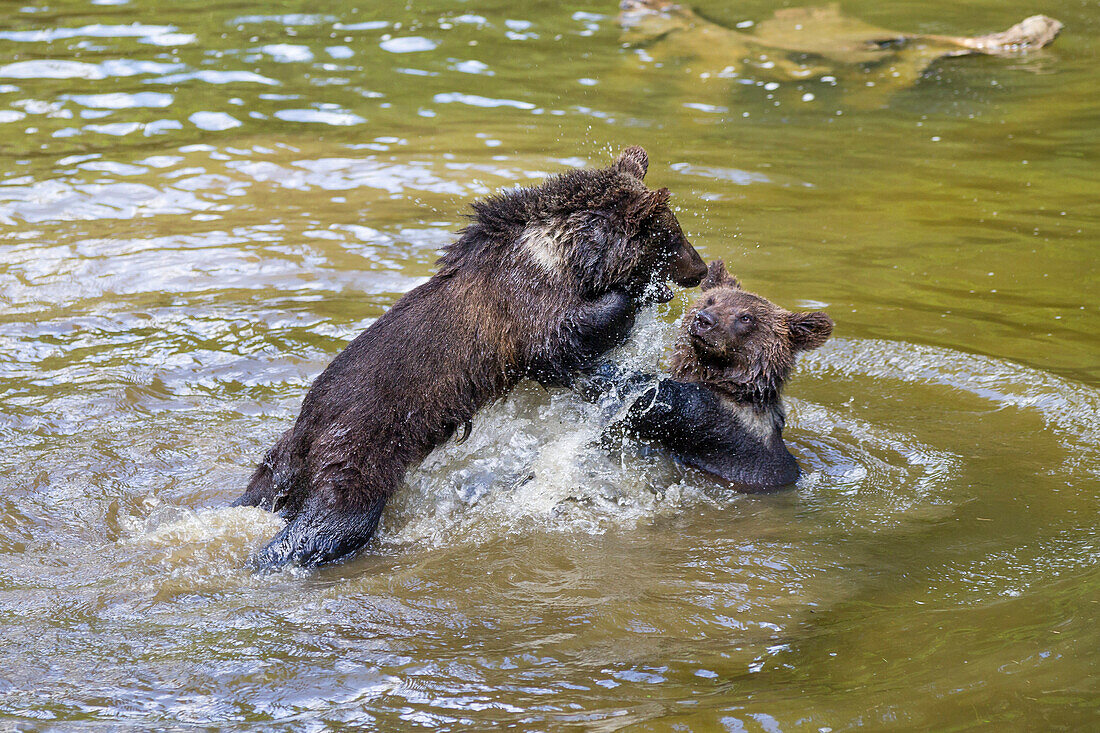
200,203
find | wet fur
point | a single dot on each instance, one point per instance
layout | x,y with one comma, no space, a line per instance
541,282
721,410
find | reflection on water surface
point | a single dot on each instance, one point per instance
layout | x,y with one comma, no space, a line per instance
200,204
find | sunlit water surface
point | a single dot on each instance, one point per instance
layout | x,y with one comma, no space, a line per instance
201,203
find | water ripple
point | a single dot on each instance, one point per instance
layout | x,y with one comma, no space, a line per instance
121,100
410,44
475,100
214,76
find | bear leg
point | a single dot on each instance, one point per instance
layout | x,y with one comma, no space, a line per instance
263,490
604,323
595,327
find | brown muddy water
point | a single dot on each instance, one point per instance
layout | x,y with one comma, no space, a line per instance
201,203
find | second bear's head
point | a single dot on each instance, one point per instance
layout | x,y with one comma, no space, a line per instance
740,341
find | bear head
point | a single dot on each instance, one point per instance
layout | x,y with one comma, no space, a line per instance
634,240
740,342
591,230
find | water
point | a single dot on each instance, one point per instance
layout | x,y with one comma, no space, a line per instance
201,203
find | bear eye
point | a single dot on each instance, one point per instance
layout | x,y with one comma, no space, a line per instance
745,318
710,301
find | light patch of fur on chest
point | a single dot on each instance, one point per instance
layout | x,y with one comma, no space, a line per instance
764,426
546,245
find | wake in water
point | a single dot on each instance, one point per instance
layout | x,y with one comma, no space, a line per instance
534,461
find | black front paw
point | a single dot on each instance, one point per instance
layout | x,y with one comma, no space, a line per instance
605,323
598,325
318,536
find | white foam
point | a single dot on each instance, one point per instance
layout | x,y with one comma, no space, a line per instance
177,537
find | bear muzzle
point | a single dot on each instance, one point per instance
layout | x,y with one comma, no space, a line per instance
704,320
687,268
702,328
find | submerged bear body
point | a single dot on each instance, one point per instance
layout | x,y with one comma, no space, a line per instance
721,408
541,283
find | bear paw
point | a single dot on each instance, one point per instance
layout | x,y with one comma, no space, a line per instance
318,537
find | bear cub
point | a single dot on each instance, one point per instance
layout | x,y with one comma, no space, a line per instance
720,410
541,283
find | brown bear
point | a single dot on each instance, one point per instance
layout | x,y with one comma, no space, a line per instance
721,409
540,283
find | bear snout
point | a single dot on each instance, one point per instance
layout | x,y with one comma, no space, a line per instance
702,325
704,330
705,320
688,268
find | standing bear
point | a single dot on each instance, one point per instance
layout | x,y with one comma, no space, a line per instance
542,282
721,409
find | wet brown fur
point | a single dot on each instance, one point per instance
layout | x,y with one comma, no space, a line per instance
541,281
721,409
748,362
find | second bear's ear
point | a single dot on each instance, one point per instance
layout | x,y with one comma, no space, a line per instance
634,161
718,276
809,330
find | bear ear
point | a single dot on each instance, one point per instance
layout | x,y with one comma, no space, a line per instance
718,276
809,330
633,161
